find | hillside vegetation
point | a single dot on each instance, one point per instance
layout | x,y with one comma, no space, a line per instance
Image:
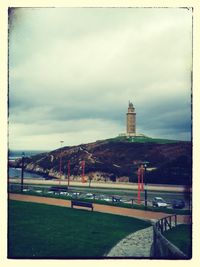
168,161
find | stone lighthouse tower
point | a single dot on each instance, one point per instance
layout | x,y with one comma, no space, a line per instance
131,121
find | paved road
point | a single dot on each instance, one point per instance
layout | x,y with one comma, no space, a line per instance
146,215
131,186
127,190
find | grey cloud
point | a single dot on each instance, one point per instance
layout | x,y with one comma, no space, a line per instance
83,65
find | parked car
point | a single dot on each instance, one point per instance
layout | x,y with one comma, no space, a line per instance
116,199
57,189
89,196
159,202
178,204
75,194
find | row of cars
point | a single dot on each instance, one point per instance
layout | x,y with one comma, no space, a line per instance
160,202
156,202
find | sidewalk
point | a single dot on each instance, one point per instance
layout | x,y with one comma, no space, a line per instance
141,214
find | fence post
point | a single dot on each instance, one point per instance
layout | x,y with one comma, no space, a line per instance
175,220
170,222
132,202
161,228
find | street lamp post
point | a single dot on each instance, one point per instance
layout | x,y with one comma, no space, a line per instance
61,142
22,173
145,185
68,174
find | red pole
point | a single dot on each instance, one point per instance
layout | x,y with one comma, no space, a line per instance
83,171
68,165
139,185
60,167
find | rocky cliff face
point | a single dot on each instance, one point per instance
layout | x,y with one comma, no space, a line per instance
117,160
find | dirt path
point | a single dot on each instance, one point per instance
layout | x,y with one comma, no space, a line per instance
147,215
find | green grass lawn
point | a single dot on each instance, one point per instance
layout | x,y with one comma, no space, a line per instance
44,231
181,237
142,139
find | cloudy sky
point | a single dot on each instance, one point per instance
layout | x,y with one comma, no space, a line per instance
72,72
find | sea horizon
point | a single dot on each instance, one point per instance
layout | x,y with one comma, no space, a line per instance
14,154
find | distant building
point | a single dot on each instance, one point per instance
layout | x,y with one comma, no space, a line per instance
131,120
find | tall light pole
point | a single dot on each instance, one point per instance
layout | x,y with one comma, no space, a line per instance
22,173
61,142
68,173
145,185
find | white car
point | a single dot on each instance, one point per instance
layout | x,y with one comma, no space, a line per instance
89,196
159,202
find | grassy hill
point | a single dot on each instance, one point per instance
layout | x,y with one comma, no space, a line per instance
181,237
118,158
142,139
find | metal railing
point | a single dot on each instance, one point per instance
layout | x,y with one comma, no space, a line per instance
166,223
